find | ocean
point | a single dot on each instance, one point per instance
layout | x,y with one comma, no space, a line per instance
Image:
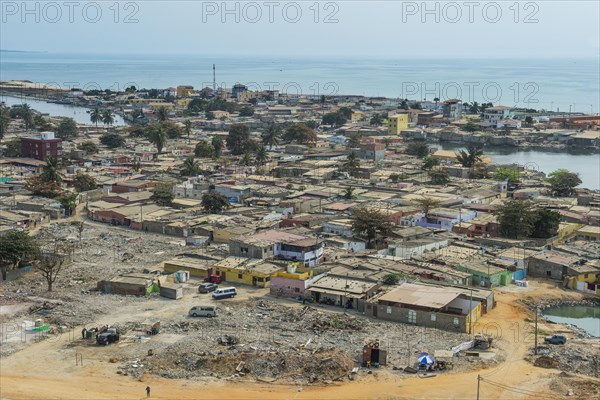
551,84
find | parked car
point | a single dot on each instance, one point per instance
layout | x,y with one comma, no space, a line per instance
207,287
214,278
224,293
108,337
203,311
555,339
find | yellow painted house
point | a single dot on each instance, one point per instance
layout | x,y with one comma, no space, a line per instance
589,232
397,123
585,282
566,230
246,271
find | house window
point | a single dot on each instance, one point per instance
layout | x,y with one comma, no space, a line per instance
389,309
455,321
239,276
548,273
297,290
433,317
412,317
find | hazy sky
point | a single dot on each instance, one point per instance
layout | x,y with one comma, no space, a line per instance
393,29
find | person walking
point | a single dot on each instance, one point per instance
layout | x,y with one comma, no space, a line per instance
83,331
147,391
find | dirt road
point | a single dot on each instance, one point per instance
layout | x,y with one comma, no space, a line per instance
46,370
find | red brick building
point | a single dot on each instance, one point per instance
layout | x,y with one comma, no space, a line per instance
41,146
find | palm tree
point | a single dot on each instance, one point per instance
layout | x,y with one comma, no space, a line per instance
261,155
95,116
246,159
162,114
157,135
352,163
187,128
50,171
190,167
272,135
107,118
469,158
348,193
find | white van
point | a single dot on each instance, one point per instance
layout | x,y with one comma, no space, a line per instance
223,293
203,311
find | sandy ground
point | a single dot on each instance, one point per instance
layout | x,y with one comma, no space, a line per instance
47,370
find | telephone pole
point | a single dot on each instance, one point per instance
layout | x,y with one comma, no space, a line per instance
478,380
536,332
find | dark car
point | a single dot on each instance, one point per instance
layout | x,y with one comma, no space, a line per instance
107,338
556,339
207,287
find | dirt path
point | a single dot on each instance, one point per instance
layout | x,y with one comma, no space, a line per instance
42,371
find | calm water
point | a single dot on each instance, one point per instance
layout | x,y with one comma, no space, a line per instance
586,318
586,164
79,114
539,83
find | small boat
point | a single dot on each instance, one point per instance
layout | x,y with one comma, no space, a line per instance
427,375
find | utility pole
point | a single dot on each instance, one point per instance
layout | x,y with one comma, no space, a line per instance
345,294
478,380
536,332
471,314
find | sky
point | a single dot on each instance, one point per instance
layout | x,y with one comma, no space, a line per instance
503,29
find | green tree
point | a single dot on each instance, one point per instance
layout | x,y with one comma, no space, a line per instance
246,158
272,135
346,112
507,174
4,122
429,162
391,279
352,164
471,127
246,111
12,148
426,204
69,202
261,155
348,193
439,177
187,128
238,139
376,119
162,114
528,120
95,116
209,115
16,246
172,129
88,146
39,187
354,140
158,137
51,171
217,144
41,123
112,140
213,202
334,118
370,223
84,182
300,134
470,157
67,129
190,167
418,149
108,118
563,182
516,218
204,149
162,194
546,224
394,177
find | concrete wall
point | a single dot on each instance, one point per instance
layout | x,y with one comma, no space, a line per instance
447,322
539,268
